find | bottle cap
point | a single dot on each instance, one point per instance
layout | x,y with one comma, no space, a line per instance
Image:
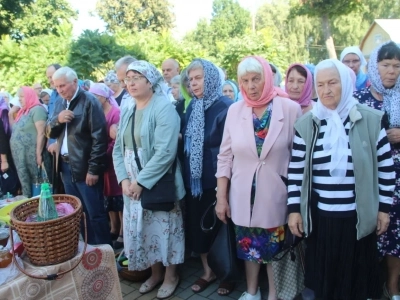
45,186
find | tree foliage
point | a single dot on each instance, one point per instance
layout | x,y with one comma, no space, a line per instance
136,15
25,62
10,10
42,17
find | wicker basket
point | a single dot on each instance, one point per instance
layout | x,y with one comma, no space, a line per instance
49,242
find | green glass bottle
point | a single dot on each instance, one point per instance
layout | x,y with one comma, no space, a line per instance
47,208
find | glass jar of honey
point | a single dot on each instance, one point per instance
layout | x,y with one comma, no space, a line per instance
5,258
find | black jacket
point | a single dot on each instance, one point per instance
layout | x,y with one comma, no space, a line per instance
87,135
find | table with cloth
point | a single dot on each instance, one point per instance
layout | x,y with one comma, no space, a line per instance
96,277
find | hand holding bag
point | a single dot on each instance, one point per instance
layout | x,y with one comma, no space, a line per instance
162,196
222,257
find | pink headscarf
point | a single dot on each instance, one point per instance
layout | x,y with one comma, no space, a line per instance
102,90
31,100
269,91
305,97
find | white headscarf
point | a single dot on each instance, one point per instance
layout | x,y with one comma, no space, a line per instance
355,50
335,140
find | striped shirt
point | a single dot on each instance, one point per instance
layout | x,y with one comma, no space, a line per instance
337,200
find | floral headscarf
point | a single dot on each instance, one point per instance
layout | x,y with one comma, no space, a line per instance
111,77
391,97
31,100
102,90
194,136
305,97
4,116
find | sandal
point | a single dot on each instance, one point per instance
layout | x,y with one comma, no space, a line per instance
202,284
164,293
228,286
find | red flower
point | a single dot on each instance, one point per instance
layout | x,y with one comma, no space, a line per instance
262,134
245,243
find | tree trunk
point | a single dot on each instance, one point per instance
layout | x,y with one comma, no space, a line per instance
326,29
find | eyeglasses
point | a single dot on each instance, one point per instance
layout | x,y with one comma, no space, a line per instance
133,79
354,62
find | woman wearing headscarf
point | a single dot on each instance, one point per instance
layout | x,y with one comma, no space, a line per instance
252,169
384,95
112,191
355,60
205,118
27,138
151,238
231,90
6,96
111,80
277,75
298,85
341,181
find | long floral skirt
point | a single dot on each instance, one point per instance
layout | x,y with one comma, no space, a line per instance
150,236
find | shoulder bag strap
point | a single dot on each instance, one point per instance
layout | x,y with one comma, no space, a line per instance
134,142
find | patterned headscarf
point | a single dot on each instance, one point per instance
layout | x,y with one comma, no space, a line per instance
194,136
102,90
305,97
4,116
31,100
111,77
391,97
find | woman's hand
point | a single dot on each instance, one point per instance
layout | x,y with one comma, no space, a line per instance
39,159
13,110
383,223
4,166
125,187
393,135
296,224
222,208
136,190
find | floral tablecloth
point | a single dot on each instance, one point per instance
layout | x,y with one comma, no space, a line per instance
96,278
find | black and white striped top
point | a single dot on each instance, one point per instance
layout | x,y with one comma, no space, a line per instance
337,200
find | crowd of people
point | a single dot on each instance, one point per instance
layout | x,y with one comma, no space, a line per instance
318,155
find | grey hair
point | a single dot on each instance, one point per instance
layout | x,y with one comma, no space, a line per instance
196,64
249,65
66,72
176,79
124,61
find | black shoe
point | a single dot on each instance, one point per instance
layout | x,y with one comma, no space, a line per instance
117,244
114,236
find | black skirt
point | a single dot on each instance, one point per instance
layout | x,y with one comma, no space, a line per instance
338,267
199,241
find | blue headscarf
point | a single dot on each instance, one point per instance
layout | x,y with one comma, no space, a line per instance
234,87
194,135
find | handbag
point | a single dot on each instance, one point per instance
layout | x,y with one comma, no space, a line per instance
288,267
222,257
9,181
162,196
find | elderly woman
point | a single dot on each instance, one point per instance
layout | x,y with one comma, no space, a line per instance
151,238
384,95
205,119
112,191
28,139
231,90
298,84
177,94
252,169
111,80
341,179
354,59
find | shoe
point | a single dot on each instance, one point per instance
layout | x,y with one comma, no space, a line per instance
117,244
202,284
147,288
387,294
114,236
247,296
164,293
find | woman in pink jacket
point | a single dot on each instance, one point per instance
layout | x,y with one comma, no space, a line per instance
252,169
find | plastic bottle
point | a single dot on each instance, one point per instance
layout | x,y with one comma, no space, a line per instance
47,208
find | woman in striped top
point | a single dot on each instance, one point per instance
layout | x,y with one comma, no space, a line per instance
341,181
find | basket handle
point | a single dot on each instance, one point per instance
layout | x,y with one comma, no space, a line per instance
51,276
